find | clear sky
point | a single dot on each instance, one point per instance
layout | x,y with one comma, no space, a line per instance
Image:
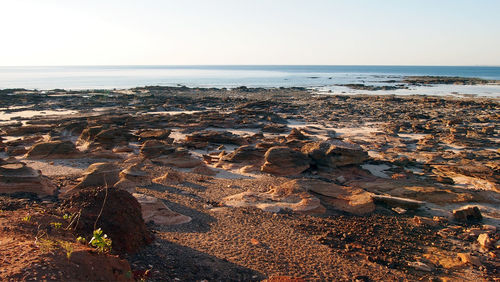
325,32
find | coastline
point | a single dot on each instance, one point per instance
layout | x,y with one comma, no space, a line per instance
361,186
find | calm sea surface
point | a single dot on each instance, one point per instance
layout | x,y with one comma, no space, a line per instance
322,78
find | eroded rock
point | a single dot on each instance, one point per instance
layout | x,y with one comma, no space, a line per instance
153,209
53,150
284,161
17,177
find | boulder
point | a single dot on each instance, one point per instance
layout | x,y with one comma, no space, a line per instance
106,138
467,214
485,241
115,211
245,155
284,161
53,150
155,148
17,177
99,174
153,209
334,153
136,174
132,177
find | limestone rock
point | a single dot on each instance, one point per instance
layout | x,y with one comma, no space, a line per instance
153,209
284,161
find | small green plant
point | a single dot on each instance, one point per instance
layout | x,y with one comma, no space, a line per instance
56,225
68,248
47,245
101,241
81,240
27,218
67,216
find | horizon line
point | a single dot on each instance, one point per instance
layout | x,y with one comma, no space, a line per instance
208,65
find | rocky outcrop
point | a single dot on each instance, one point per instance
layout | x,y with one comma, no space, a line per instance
154,134
334,153
153,209
53,150
154,148
132,177
165,154
277,199
17,177
115,211
99,175
105,138
246,155
467,214
306,195
216,137
349,199
284,161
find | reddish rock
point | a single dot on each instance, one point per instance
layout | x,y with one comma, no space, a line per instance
98,175
155,148
467,214
334,153
53,150
153,209
217,137
121,217
17,177
284,161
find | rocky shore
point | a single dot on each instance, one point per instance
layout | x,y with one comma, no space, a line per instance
241,184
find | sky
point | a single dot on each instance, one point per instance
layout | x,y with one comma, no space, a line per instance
253,32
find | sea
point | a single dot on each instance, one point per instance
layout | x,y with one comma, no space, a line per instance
320,78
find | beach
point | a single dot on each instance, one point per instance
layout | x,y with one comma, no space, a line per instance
250,183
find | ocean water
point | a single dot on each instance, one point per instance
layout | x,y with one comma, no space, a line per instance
324,79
